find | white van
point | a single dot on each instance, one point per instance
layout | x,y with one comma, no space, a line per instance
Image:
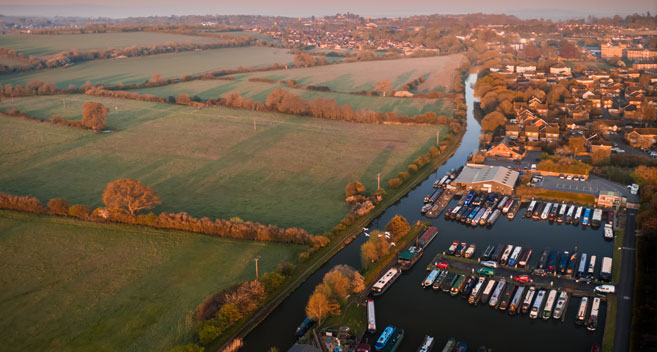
605,289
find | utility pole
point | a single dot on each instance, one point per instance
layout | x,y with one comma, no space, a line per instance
64,102
437,137
378,181
256,261
254,124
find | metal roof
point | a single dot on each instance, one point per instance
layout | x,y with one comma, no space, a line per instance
500,174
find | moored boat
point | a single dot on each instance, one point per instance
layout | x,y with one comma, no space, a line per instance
538,304
395,341
427,344
475,295
530,209
592,322
385,336
609,232
371,319
561,305
506,254
546,211
427,236
549,303
386,281
493,217
425,208
506,296
448,282
433,275
570,214
488,252
581,311
457,286
485,296
513,258
527,302
516,301
409,257
470,251
495,297
452,248
523,259
305,325
439,280
578,215
449,346
508,206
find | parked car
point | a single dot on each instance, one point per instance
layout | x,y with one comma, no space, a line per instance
489,264
569,177
442,265
576,178
582,178
522,278
634,188
605,289
562,176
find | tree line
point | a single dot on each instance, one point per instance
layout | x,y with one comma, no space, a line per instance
330,296
124,198
94,117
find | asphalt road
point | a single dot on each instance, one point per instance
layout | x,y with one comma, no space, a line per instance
625,287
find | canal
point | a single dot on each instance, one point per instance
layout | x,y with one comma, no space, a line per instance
420,311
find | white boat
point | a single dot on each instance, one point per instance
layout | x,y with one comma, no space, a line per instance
546,211
609,231
502,203
371,319
561,305
494,299
527,302
427,345
581,311
592,323
578,215
431,278
547,310
570,214
508,205
385,281
538,303
506,254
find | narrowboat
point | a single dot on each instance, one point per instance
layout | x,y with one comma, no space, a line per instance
508,206
449,346
427,344
461,347
507,296
563,262
448,282
562,213
530,209
470,251
466,213
433,275
460,250
581,268
570,214
385,336
485,296
549,303
409,257
538,210
470,283
586,217
543,260
305,325
538,304
460,213
605,270
553,212
455,211
395,341
507,253
513,258
439,280
430,198
440,182
484,218
516,301
546,211
386,281
561,305
371,318
457,286
523,259
425,208
468,198
527,302
578,216
592,322
472,215
497,253
477,217
590,270
493,217
514,209
572,265
427,236
551,266
452,248
581,311
475,295
495,297
488,252
596,218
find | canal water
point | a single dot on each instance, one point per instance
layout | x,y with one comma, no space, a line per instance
421,312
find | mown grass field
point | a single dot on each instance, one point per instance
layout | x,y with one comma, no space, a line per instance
69,285
210,162
47,44
139,69
439,73
258,91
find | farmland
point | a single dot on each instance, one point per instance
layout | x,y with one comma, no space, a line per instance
44,44
258,91
208,162
139,69
438,71
71,286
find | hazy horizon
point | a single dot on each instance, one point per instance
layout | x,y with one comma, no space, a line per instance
555,9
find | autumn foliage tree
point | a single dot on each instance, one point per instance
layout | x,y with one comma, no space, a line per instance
320,306
129,195
376,247
492,121
383,86
354,188
94,115
58,206
398,227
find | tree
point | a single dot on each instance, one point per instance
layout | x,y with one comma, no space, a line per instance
600,156
94,115
354,188
58,206
394,182
569,51
383,86
398,227
338,284
577,144
492,121
155,78
304,59
129,195
79,211
647,112
319,307
531,51
646,175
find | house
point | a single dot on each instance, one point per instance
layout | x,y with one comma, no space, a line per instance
541,109
608,50
551,133
601,145
641,137
532,133
512,131
560,69
507,148
525,68
497,179
610,199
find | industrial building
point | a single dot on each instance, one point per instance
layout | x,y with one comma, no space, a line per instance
497,179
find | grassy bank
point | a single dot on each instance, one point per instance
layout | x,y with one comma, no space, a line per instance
617,256
71,285
546,194
610,324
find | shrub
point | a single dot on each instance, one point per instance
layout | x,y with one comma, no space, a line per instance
395,182
79,211
412,168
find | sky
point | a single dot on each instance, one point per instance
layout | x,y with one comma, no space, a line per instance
552,9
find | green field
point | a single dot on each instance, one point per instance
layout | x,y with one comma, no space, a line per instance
139,69
210,162
69,285
258,91
49,44
439,73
